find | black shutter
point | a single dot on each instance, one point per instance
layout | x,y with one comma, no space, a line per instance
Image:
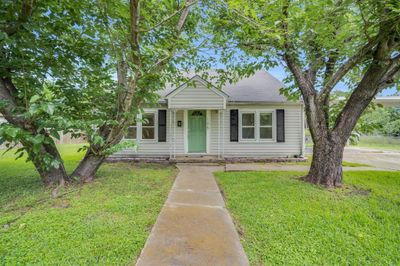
280,125
162,125
234,122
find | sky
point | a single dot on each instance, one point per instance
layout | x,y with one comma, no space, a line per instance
279,73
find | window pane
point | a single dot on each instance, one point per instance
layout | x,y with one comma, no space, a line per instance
148,119
248,119
248,133
266,132
131,134
266,119
148,133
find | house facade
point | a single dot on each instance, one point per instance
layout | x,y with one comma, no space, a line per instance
247,119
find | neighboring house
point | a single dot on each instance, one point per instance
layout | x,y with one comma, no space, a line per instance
389,101
248,119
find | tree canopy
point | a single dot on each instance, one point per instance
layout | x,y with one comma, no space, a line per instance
321,43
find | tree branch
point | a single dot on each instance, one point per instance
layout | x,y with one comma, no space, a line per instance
368,87
166,19
348,65
134,6
163,60
183,17
7,89
302,80
392,73
179,27
24,15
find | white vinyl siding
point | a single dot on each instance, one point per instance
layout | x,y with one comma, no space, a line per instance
254,148
262,148
198,97
153,148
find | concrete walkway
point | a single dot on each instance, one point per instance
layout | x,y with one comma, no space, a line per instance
194,227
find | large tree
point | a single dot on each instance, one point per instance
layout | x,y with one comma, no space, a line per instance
56,75
151,43
48,49
322,43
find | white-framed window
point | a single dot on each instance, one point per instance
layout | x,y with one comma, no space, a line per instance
266,128
131,133
256,125
248,125
149,126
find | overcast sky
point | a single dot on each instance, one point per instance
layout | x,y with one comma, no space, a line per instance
279,73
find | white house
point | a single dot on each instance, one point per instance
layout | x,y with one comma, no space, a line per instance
248,119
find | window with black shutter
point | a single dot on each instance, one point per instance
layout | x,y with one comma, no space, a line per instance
234,125
280,125
162,125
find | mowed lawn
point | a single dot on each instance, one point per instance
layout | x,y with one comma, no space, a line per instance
285,221
105,222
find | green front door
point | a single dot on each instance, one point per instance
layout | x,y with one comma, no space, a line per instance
197,136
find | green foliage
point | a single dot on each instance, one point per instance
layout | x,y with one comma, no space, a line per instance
122,145
56,60
385,121
63,61
10,133
259,33
289,222
105,222
379,142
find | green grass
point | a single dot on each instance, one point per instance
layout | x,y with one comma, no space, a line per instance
379,142
289,222
105,222
309,159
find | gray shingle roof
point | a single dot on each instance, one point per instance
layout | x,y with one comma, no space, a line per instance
260,87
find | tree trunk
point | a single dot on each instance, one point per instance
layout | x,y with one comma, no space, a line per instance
326,166
88,166
52,175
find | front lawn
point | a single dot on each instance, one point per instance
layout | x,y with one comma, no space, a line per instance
105,222
288,222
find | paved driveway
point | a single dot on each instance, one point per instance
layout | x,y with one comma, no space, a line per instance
381,159
386,160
